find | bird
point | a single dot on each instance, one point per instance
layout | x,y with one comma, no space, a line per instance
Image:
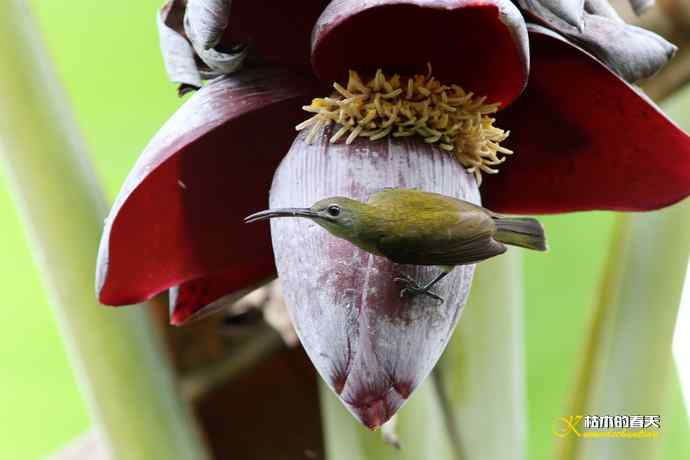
415,227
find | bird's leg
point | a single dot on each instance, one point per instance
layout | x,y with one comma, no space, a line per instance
412,288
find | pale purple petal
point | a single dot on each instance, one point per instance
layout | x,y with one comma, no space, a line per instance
371,346
178,54
602,8
207,21
570,11
630,51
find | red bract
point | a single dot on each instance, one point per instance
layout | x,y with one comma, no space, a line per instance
583,139
206,295
479,43
592,143
208,167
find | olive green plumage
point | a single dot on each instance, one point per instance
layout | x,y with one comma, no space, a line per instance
419,228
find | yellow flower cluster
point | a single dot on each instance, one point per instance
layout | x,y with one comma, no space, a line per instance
421,106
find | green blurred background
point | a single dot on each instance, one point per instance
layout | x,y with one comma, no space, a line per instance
108,61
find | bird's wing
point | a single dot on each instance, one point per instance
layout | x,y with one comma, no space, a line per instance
378,190
415,199
466,241
409,198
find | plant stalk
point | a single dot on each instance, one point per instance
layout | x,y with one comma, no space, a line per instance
482,372
124,375
627,363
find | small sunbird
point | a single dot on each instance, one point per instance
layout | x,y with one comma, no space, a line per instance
409,226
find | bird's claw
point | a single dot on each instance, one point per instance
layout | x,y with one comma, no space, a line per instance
404,279
412,292
412,289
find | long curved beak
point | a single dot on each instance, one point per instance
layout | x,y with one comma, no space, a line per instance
284,212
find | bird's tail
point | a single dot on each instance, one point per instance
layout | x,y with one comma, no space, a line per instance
521,231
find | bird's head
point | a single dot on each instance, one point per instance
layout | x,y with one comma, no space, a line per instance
339,215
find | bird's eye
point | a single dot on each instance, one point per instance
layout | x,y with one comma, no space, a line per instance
333,210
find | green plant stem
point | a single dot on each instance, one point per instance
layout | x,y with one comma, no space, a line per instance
482,372
627,361
124,374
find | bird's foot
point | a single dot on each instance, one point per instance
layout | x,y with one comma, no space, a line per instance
412,289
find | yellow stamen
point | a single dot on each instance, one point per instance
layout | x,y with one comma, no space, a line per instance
455,120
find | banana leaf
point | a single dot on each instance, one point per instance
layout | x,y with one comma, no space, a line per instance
482,372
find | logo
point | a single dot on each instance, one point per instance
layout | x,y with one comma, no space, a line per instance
608,426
